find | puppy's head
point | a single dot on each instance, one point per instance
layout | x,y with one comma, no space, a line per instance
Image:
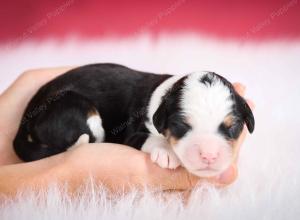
201,116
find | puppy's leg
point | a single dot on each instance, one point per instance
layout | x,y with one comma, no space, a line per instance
58,126
83,139
137,140
95,124
161,152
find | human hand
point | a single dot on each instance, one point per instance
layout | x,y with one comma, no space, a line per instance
13,102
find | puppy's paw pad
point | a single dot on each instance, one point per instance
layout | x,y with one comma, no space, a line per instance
164,158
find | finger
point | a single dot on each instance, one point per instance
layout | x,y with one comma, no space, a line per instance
167,179
238,143
181,180
228,176
251,104
239,88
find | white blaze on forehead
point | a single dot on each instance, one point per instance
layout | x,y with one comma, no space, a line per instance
205,105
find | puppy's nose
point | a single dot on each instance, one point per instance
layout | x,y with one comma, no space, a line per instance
209,157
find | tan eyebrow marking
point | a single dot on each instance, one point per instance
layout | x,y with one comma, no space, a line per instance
228,121
171,139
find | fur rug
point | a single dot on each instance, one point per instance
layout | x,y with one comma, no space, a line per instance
268,186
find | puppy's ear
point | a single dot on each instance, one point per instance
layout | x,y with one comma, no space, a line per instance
246,112
160,117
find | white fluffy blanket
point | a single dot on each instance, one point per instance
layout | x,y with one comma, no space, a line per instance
268,186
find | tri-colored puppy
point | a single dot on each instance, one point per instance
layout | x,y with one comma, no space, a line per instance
188,120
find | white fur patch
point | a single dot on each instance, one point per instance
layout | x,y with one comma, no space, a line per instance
29,138
95,124
204,105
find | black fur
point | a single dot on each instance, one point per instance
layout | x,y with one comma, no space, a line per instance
137,139
57,115
208,78
241,112
168,115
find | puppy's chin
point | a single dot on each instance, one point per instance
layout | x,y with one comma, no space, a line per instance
189,151
206,172
202,170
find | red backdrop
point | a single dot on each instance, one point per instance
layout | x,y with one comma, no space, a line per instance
35,19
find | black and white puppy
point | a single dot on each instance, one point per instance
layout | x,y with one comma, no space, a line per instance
189,120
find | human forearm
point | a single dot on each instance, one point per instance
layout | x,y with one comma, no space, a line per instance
33,175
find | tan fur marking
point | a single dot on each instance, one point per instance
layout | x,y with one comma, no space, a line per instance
228,121
92,112
29,138
171,140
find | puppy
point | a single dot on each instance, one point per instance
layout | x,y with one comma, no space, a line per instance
189,120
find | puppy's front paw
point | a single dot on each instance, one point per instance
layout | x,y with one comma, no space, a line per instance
164,158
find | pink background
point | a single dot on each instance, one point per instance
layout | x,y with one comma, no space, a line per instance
245,20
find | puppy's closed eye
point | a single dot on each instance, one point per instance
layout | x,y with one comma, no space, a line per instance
231,129
177,127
